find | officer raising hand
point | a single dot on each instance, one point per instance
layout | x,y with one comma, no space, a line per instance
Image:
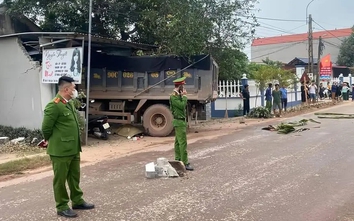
178,105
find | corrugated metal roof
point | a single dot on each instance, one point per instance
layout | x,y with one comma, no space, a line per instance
338,33
73,35
297,61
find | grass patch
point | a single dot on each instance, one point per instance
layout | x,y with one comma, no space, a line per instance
28,163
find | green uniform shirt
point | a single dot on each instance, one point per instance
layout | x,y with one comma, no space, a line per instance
276,96
178,106
60,127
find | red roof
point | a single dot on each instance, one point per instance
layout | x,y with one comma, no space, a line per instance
302,37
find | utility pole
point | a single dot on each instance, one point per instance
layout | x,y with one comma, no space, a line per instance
310,50
88,71
320,50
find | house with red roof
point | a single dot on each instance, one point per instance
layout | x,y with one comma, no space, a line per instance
286,47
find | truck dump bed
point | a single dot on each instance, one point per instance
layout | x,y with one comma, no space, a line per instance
135,78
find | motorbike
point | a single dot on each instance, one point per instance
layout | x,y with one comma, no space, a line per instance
98,125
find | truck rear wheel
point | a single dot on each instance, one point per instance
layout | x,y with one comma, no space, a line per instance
158,120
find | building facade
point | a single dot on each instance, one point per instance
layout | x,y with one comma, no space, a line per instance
285,48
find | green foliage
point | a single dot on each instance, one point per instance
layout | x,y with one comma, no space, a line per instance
260,112
184,28
269,72
346,52
81,122
13,133
283,128
278,64
21,165
78,102
232,63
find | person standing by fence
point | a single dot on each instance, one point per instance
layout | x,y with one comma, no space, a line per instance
344,91
276,99
312,90
268,97
334,92
246,100
284,97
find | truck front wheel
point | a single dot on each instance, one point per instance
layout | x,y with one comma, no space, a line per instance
157,120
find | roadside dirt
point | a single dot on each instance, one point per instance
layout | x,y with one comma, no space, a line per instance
118,146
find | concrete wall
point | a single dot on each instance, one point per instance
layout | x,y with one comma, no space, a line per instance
234,105
23,96
285,52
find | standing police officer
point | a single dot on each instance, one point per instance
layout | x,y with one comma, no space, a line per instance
60,129
178,105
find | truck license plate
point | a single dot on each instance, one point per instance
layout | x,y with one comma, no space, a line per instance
106,126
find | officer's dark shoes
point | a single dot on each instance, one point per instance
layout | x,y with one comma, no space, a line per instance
84,206
69,213
189,167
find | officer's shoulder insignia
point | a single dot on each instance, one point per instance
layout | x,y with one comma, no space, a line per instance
56,100
174,93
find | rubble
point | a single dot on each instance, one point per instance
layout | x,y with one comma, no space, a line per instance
17,140
162,168
4,140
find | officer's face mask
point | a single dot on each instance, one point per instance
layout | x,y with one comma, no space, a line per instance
74,94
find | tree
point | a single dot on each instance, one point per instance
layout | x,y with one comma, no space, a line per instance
110,18
233,63
346,52
278,64
183,28
265,73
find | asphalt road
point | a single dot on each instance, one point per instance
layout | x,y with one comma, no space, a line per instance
249,175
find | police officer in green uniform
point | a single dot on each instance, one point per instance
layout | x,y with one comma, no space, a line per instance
60,128
178,105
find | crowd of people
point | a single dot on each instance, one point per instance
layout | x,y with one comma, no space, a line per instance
277,99
336,91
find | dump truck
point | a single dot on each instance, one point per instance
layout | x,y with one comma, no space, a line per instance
136,89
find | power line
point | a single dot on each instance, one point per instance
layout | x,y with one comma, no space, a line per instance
278,29
332,44
272,27
327,31
272,19
280,19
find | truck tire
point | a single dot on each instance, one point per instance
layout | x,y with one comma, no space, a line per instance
157,120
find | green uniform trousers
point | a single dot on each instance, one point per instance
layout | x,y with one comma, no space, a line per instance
181,144
66,169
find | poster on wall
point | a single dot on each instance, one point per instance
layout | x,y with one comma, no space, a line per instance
60,62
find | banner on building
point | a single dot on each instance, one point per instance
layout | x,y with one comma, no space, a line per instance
326,68
60,62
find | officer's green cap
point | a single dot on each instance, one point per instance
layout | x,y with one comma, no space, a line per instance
180,81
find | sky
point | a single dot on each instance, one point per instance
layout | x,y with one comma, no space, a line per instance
329,14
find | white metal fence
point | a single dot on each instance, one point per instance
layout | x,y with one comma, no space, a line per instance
233,88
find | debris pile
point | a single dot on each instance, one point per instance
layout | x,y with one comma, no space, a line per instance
164,168
291,127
